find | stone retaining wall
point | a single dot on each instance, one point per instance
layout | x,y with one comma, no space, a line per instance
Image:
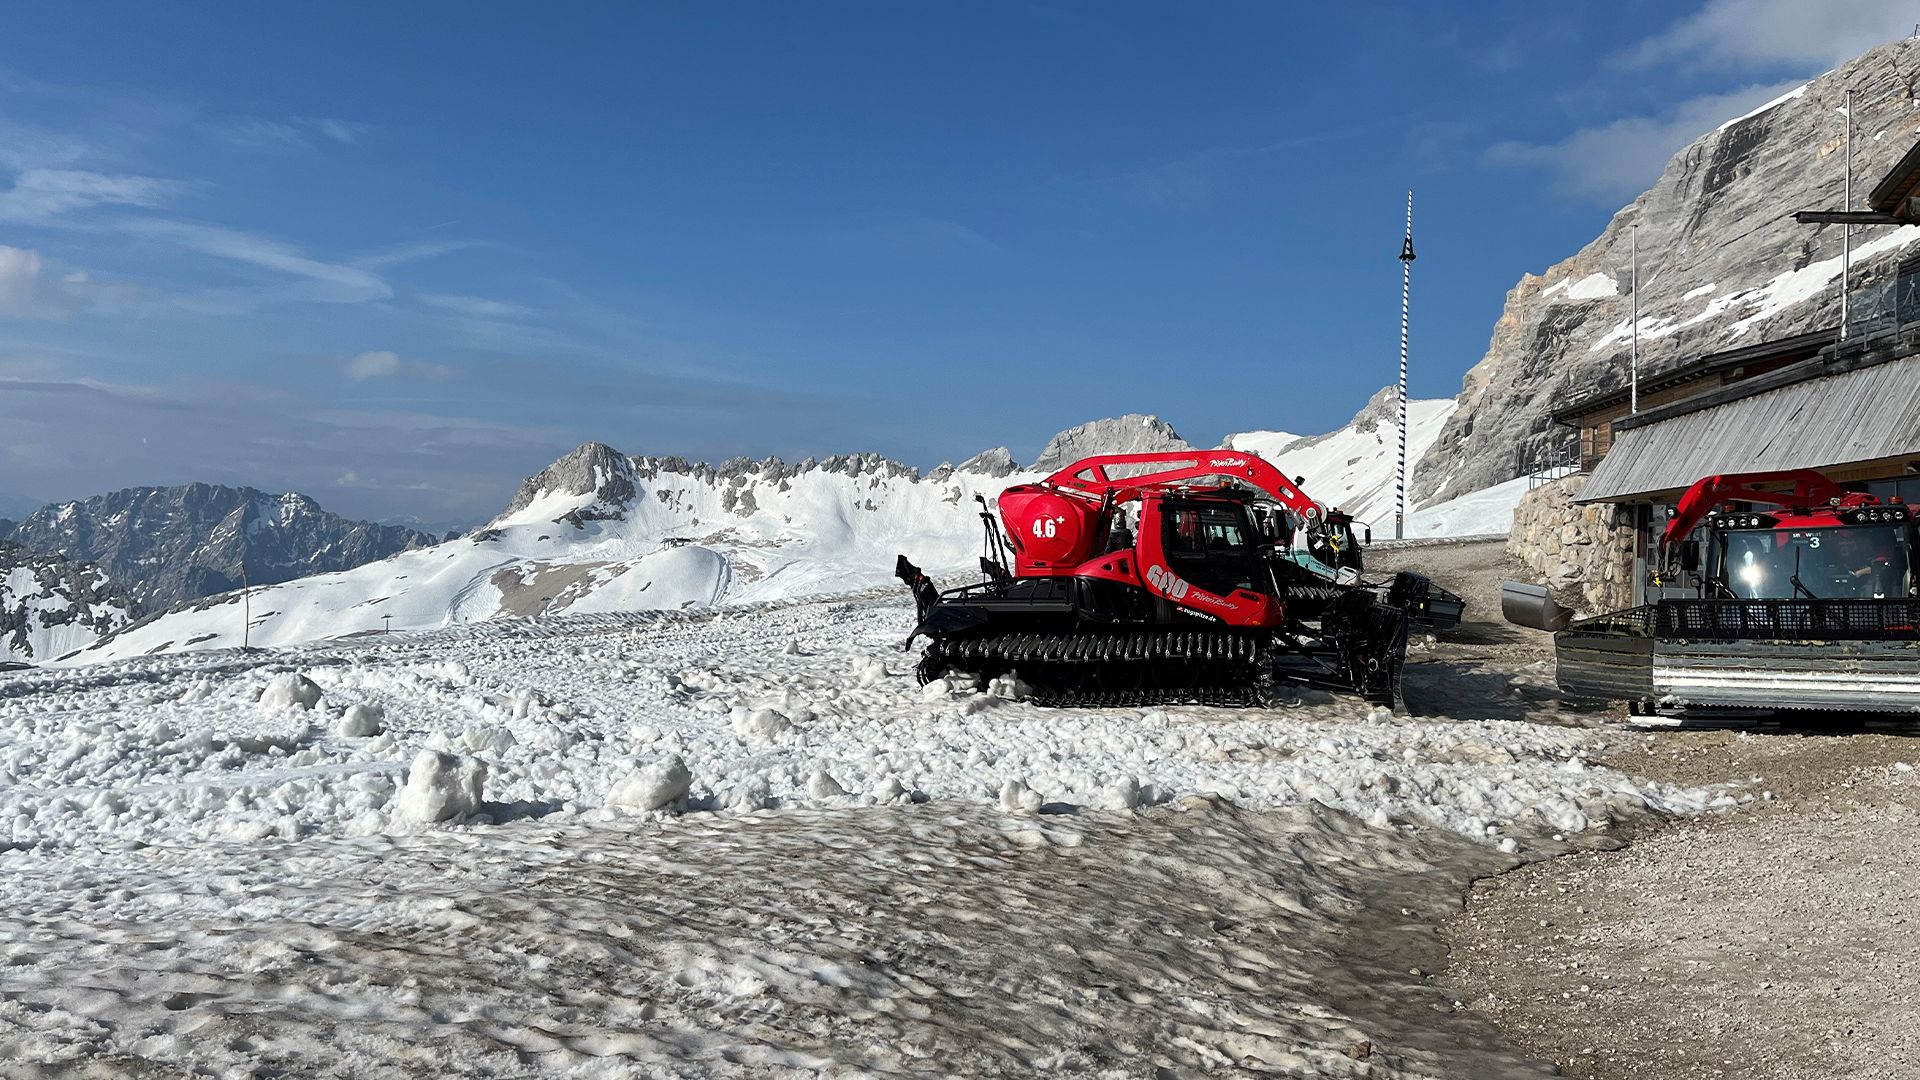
1583,553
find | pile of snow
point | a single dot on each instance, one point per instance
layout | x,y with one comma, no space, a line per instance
441,787
599,532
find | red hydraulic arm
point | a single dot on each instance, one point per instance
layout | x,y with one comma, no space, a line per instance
1089,476
1810,490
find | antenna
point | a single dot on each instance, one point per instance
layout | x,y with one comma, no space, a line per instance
1633,291
1406,283
1846,234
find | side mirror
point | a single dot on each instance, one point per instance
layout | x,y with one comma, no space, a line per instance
1690,555
1369,537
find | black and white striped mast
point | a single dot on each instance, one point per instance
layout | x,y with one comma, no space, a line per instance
1406,283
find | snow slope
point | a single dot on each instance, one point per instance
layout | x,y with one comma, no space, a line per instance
602,532
1353,468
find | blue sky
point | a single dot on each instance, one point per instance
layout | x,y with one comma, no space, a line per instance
398,256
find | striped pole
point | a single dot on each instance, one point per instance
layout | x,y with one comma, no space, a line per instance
1406,284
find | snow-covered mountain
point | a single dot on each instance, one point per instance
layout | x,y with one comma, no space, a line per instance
50,605
599,531
165,545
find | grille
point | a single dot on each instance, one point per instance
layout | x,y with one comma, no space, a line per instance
1763,619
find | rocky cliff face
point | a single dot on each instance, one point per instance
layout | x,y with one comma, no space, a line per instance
173,544
50,606
1722,264
1129,434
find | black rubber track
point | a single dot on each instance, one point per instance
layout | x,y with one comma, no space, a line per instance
1142,667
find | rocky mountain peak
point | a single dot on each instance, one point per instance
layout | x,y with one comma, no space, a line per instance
1134,433
1722,264
592,468
995,462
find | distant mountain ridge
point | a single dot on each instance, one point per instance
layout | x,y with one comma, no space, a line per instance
600,531
168,545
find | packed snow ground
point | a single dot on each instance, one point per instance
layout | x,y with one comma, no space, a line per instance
807,703
731,842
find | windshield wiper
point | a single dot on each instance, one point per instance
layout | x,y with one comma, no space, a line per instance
1798,585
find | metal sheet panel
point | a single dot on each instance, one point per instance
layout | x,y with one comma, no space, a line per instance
1870,676
1861,415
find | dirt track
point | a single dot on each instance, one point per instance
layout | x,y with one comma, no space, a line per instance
1781,940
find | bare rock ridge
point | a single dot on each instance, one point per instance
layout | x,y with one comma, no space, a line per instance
49,605
995,462
1722,264
1133,433
168,545
613,479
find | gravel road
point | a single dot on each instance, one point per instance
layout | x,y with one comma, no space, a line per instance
1778,941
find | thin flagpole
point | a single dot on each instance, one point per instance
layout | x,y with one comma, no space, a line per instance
1406,286
1633,289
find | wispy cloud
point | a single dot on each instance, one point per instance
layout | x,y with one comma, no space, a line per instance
1611,162
386,363
478,307
23,147
39,194
925,231
1757,33
342,131
373,365
316,281
300,132
400,254
32,289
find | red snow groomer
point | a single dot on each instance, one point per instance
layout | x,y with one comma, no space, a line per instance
1201,597
1803,598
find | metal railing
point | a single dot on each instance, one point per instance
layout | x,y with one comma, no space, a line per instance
1886,304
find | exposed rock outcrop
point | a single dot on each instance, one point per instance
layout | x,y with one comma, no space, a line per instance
50,606
1133,433
1722,264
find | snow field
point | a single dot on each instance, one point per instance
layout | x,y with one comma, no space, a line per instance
801,705
1191,939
